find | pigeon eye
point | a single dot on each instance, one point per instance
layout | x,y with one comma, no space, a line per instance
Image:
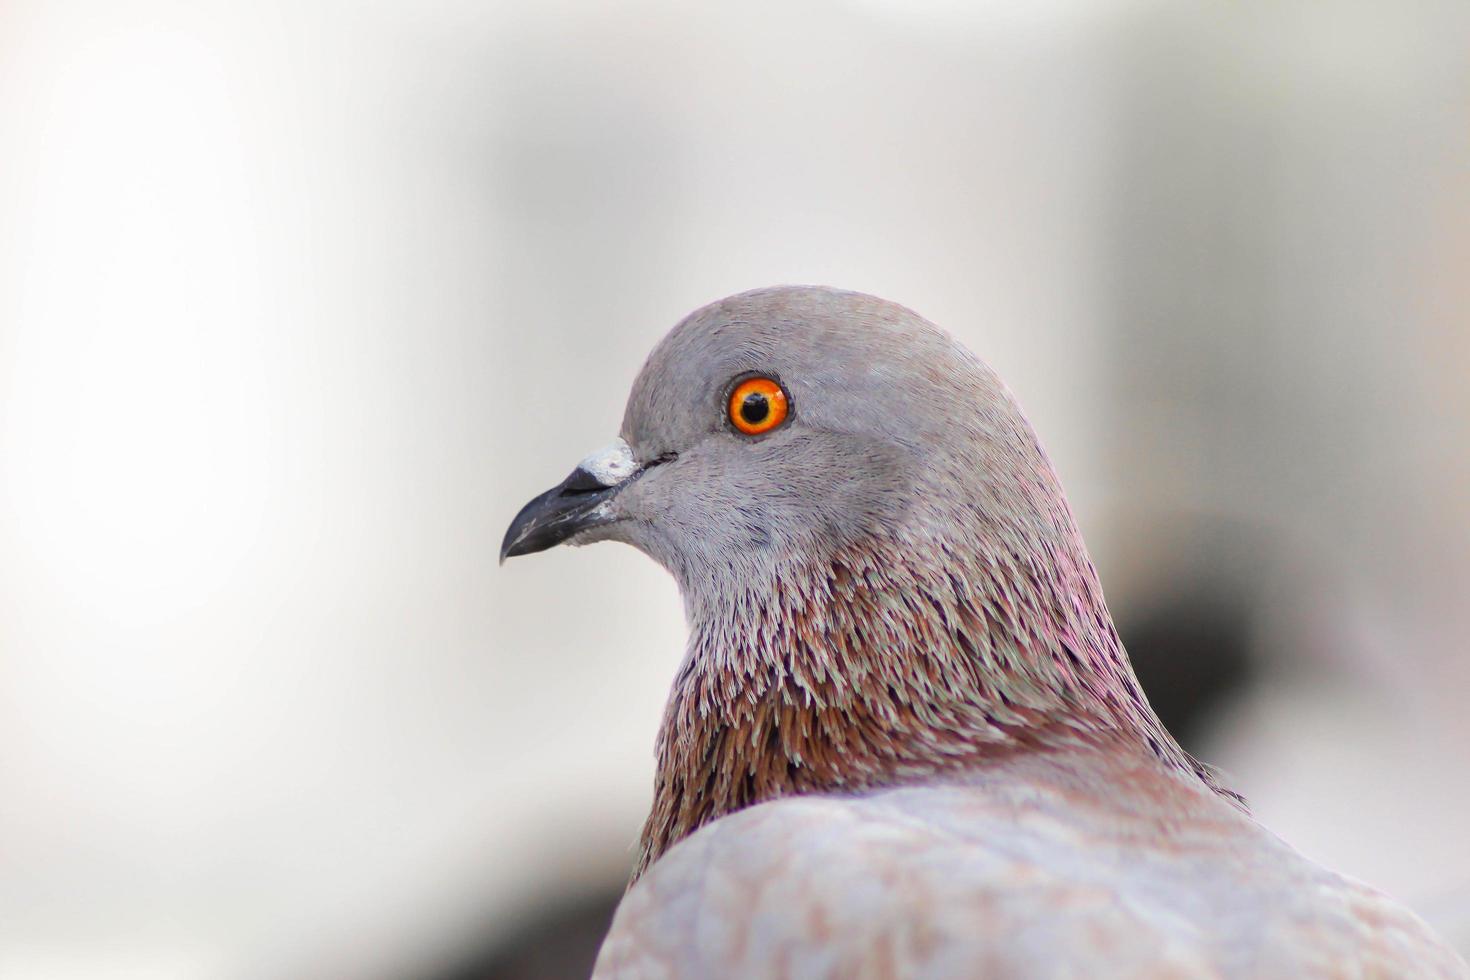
757,405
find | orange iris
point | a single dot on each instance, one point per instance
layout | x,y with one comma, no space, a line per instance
757,405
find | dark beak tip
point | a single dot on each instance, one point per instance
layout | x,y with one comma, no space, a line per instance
556,515
509,548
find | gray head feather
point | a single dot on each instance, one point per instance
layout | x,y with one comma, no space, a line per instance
889,418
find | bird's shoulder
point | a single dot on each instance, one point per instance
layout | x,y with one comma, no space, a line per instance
1035,870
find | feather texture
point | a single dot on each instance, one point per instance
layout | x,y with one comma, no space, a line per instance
1062,864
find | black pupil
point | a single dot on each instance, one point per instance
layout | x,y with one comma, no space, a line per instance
755,408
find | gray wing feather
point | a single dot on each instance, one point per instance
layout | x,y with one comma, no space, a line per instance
1007,879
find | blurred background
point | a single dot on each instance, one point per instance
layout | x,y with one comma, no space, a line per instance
299,302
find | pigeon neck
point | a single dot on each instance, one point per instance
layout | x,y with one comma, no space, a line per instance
876,669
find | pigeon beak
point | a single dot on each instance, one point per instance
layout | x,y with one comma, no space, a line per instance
579,502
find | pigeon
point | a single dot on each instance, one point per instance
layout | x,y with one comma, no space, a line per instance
905,739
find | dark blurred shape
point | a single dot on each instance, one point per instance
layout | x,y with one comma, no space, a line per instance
1191,652
557,942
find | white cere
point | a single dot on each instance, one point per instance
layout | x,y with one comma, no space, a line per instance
611,464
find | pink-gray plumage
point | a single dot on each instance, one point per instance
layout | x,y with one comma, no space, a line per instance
905,739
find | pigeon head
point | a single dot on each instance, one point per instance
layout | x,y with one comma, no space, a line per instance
777,428
881,574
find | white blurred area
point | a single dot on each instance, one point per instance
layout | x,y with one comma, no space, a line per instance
300,301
